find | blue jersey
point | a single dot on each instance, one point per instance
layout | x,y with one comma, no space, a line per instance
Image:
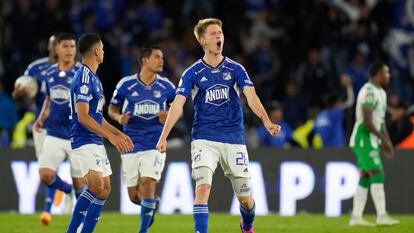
216,99
37,70
329,125
86,88
144,102
58,90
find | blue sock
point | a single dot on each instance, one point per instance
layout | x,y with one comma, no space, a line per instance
92,215
82,204
78,192
50,195
248,217
200,212
58,183
147,211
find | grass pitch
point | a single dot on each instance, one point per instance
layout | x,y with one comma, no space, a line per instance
218,223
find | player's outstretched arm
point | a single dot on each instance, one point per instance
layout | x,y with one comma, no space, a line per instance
174,114
114,114
44,113
256,106
82,110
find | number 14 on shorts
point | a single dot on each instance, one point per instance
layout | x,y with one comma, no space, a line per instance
242,159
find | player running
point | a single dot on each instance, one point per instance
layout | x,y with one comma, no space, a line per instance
87,129
143,98
37,70
214,83
368,136
55,110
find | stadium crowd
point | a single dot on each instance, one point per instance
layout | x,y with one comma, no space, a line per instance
308,59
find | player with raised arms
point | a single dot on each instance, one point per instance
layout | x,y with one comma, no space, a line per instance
214,83
87,129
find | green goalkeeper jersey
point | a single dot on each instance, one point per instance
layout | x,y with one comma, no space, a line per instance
373,97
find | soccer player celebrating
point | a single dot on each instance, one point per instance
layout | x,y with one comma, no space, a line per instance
87,128
55,109
143,98
368,136
215,83
37,70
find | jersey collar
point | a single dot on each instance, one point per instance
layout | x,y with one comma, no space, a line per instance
145,85
214,68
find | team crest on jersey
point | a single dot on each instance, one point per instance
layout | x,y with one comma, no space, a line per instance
217,95
84,89
157,93
59,94
226,76
146,109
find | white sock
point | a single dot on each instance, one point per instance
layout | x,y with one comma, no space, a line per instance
360,199
378,196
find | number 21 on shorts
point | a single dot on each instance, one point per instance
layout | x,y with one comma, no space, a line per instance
242,159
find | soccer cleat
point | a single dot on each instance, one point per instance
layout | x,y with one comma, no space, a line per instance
157,202
359,221
243,230
45,218
386,220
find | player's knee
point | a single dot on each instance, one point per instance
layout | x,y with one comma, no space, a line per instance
105,192
97,188
147,187
202,193
246,202
134,197
202,176
46,175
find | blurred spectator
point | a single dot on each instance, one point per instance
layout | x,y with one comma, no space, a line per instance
265,69
400,125
329,124
357,71
281,140
295,106
151,16
8,116
313,78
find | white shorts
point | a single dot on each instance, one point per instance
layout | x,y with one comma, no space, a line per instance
55,151
93,157
38,139
233,158
148,163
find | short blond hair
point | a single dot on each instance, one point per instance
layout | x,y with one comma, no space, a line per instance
201,26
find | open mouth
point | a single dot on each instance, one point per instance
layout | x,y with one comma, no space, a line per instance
219,44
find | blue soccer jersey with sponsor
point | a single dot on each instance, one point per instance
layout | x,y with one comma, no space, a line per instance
37,70
58,90
85,88
144,102
216,99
